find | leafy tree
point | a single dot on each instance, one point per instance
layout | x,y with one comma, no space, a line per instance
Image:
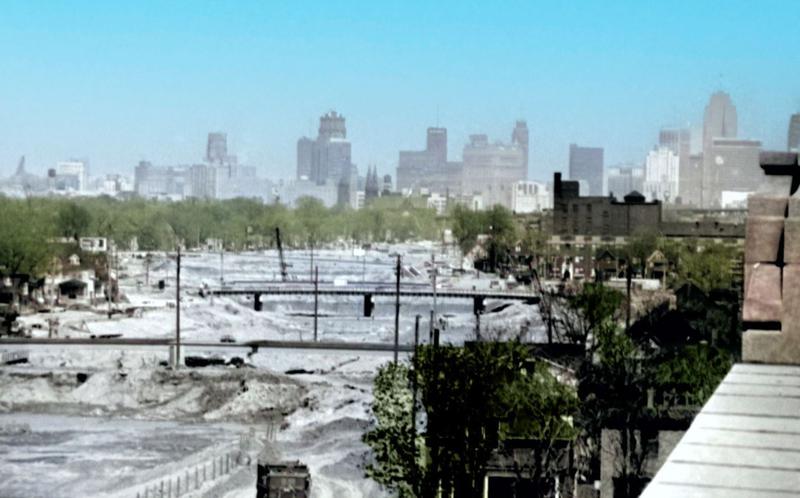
73,220
25,235
393,438
472,398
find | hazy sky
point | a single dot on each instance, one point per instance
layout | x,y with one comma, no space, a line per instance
147,80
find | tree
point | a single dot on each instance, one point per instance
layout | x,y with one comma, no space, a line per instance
25,234
393,438
472,398
539,409
73,220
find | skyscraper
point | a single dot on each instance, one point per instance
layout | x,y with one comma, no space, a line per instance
661,173
794,132
437,144
217,148
428,168
520,137
720,119
492,170
327,158
586,163
679,141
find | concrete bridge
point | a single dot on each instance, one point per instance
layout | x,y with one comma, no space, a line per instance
478,296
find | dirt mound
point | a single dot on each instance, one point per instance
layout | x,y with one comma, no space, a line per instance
242,395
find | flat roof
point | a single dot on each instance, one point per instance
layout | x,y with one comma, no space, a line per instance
745,442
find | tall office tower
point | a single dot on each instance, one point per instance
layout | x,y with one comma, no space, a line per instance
794,133
586,163
730,172
679,141
720,119
305,158
622,180
520,137
428,168
327,158
331,125
437,144
73,174
661,175
217,148
492,170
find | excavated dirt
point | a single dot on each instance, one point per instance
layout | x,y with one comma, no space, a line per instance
240,395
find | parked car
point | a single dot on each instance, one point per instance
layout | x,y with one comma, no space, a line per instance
227,338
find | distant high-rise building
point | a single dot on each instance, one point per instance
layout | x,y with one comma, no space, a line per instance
622,180
586,163
679,141
794,132
305,158
720,119
217,148
429,168
71,175
326,159
492,170
520,137
730,171
661,175
436,144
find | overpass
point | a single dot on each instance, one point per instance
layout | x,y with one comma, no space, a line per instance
478,296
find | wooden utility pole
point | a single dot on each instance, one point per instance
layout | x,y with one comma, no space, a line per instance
414,474
433,268
316,300
397,311
311,268
178,309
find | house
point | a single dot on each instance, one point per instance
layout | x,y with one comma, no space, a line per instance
606,265
79,288
93,244
657,265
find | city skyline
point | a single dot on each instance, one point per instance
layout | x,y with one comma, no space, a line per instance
150,92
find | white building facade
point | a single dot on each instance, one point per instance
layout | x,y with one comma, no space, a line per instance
661,180
530,197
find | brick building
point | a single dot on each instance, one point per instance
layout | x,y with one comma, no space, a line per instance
601,215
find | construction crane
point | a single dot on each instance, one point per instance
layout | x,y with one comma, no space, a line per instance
284,275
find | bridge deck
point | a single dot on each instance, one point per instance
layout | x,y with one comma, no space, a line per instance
361,291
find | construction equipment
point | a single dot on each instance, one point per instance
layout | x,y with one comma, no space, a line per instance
284,275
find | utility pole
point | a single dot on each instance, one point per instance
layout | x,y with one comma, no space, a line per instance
311,268
221,265
397,311
147,270
628,279
414,476
178,309
316,300
433,268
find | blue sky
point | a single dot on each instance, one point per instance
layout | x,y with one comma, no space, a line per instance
117,82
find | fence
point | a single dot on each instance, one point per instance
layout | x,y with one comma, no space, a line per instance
195,477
